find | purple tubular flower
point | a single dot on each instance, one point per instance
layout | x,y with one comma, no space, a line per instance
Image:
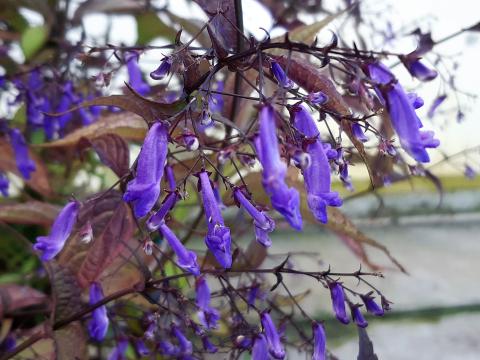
218,238
404,119
186,346
167,348
317,98
358,316
4,184
172,184
135,74
144,189
469,174
218,197
98,326
24,163
371,306
264,224
154,222
358,132
215,101
141,347
436,103
338,302
86,117
284,199
275,347
190,141
281,77
118,352
208,316
65,104
260,348
186,259
317,175
416,101
418,70
52,244
163,70
319,342
208,346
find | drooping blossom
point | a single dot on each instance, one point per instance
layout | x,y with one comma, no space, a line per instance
52,244
264,224
243,342
135,74
416,101
358,132
66,102
208,346
144,189
371,306
157,218
4,184
118,352
319,342
280,75
98,326
275,346
317,175
172,184
218,197
215,101
317,98
141,348
436,103
357,316
24,163
218,238
208,316
338,302
167,348
418,69
186,259
260,348
284,199
405,121
163,69
469,173
190,141
186,346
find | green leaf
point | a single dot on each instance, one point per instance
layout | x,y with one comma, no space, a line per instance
32,40
149,27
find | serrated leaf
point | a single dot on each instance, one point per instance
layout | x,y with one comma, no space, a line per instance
113,152
39,178
30,212
149,27
111,242
32,40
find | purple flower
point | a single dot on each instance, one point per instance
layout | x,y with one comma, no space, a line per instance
3,184
172,184
275,346
190,141
86,117
358,316
64,105
154,222
358,132
186,259
281,77
135,74
252,295
98,326
260,349
141,348
218,238
338,302
319,342
301,160
220,203
371,306
167,348
24,163
118,352
469,173
8,344
404,119
317,98
163,70
186,346
284,199
52,244
208,316
317,175
418,69
144,189
436,103
263,223
215,101
208,346
416,101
